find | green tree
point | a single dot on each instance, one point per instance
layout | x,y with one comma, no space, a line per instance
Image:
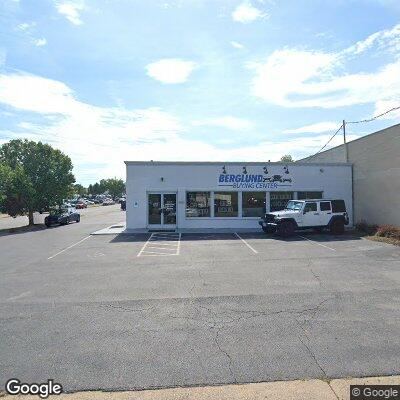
114,186
33,176
95,189
80,190
15,190
287,158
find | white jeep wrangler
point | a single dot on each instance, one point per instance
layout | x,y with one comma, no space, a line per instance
305,214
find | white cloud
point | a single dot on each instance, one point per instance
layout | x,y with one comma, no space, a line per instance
306,78
105,135
28,29
382,106
99,139
286,72
40,42
228,122
246,12
315,128
386,39
26,26
237,45
170,70
71,9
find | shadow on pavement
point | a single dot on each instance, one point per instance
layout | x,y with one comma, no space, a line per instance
123,238
21,229
297,237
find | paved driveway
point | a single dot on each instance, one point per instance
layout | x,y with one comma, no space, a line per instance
144,311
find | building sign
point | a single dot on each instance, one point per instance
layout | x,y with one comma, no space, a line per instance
264,180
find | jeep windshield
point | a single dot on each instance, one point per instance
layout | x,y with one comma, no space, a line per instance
294,205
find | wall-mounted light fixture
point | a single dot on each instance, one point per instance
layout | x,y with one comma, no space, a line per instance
162,179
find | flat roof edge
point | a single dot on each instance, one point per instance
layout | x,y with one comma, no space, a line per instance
233,163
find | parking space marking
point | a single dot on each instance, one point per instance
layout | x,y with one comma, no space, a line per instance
157,253
161,244
67,248
144,246
251,248
178,250
319,244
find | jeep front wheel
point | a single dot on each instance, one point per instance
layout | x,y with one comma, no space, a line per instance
286,228
268,230
337,227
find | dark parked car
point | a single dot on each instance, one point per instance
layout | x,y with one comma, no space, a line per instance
62,217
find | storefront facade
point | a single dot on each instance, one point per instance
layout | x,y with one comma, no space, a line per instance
212,195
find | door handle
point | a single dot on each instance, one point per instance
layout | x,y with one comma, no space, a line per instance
316,213
329,213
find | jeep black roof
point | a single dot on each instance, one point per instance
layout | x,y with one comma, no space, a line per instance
317,200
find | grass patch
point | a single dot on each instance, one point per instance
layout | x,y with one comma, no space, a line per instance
384,239
379,233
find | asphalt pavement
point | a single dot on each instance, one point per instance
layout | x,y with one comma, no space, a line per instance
127,312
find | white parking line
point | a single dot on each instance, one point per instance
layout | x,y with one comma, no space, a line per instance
67,248
178,250
319,244
251,248
161,244
155,253
144,246
161,248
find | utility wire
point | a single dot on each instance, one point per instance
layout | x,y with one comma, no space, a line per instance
373,118
326,144
355,122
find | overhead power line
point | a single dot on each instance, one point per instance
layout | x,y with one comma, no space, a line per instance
374,118
326,144
343,126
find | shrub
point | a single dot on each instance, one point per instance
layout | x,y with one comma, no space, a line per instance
388,231
363,226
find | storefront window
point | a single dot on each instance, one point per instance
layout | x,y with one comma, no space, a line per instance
279,200
309,195
198,204
225,204
253,204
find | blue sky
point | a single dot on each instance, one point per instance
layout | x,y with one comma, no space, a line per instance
113,80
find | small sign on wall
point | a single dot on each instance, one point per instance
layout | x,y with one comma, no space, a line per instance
135,204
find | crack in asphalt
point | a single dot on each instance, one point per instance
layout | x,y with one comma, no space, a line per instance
230,361
219,322
129,309
215,322
312,353
252,314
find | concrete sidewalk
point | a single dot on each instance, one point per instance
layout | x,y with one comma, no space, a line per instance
285,390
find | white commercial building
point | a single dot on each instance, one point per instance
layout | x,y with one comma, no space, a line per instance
216,195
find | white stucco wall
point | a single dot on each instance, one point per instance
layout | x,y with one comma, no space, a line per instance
376,168
144,177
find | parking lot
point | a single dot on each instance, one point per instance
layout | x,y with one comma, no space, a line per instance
169,309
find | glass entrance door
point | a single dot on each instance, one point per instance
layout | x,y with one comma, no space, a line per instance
169,208
154,209
162,210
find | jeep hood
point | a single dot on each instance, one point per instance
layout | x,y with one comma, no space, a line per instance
283,213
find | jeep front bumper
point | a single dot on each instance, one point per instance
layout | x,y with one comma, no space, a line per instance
270,225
